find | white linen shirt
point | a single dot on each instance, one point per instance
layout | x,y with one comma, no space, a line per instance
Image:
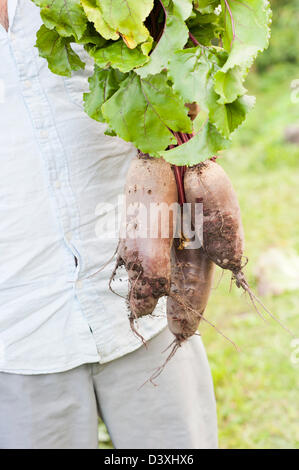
57,170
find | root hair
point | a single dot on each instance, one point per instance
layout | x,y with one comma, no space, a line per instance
241,282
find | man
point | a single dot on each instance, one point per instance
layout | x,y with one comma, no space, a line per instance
67,353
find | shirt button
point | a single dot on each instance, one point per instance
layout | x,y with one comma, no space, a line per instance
28,84
57,184
79,284
12,36
44,134
68,236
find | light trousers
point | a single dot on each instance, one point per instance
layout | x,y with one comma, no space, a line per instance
60,411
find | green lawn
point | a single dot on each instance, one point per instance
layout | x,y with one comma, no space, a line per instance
257,388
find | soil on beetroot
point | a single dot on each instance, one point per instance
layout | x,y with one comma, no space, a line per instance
220,237
144,291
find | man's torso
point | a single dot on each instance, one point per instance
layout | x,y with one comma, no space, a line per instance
58,173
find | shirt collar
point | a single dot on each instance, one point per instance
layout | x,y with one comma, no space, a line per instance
11,6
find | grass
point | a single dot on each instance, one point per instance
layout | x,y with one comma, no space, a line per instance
257,388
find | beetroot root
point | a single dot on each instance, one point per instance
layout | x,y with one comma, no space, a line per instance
192,276
150,188
223,234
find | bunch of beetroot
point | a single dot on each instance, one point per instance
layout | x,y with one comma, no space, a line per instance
159,260
160,265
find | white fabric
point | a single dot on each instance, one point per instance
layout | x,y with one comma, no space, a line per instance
57,170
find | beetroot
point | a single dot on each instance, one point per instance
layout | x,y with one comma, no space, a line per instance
145,248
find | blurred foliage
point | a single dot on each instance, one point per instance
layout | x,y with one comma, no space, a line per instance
104,438
284,44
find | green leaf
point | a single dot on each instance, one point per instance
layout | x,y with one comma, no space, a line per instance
127,18
146,47
66,16
95,15
190,71
200,121
228,117
205,144
246,31
204,33
58,52
174,38
206,6
118,56
91,36
229,85
110,132
144,110
183,8
102,84
204,27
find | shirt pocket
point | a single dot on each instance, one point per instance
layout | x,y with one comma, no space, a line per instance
77,84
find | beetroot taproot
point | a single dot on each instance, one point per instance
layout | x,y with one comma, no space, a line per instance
223,234
191,281
145,246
